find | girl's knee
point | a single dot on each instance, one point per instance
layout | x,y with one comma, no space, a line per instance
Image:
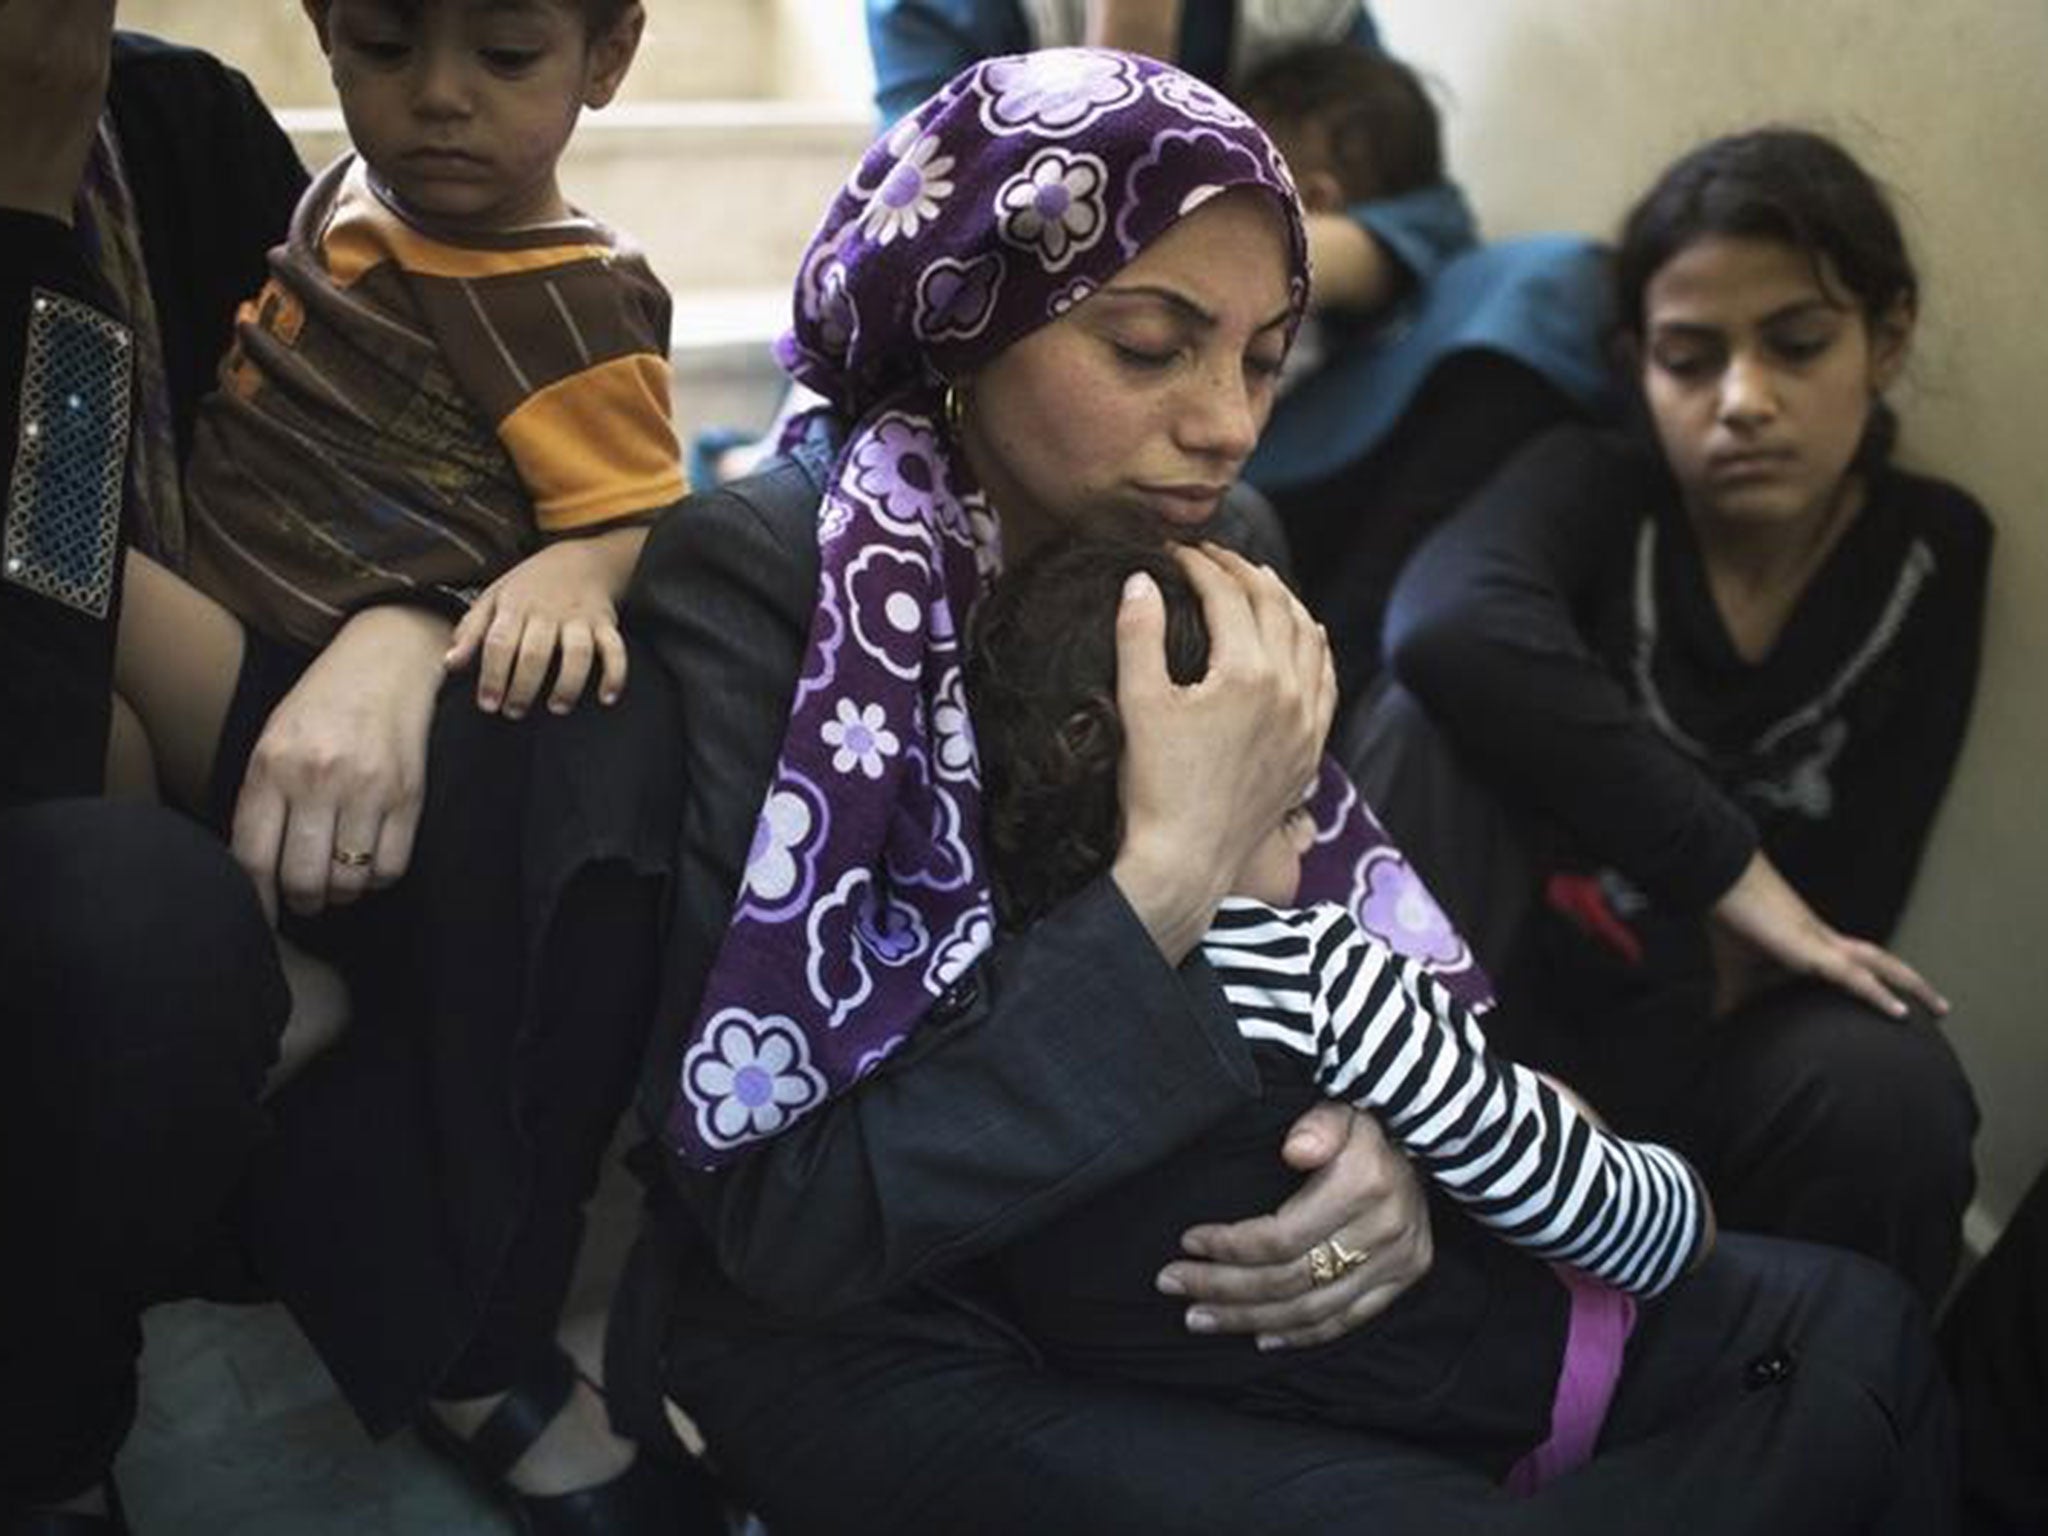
1841,1072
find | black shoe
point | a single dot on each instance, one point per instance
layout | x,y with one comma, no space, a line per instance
65,1522
658,1495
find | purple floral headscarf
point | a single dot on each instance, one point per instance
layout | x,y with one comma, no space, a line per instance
1002,202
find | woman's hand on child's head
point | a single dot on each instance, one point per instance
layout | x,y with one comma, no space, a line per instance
557,608
1762,909
54,57
1211,767
1361,1199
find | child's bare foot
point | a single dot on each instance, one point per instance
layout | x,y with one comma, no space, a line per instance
319,1013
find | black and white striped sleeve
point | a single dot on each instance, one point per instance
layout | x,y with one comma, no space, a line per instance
1381,1033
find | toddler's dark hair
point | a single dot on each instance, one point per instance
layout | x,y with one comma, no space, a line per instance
599,16
1384,136
1041,686
1786,184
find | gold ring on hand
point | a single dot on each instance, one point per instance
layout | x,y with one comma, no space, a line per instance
1347,1259
1322,1265
353,858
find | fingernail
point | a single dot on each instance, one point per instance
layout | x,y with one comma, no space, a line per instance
1194,1247
1268,1342
487,701
1201,1320
1136,585
1170,1284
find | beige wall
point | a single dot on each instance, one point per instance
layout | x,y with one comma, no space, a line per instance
1559,110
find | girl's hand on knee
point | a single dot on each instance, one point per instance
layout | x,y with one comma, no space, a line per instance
558,609
1763,909
1211,767
332,794
1361,1204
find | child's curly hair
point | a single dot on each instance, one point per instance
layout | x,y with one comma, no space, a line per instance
1041,685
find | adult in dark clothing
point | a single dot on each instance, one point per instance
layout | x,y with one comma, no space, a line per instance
427,1259
1710,694
1994,1341
812,1274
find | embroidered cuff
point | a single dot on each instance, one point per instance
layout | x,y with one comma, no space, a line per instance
70,455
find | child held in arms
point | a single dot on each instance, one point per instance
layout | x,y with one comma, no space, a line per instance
1498,1358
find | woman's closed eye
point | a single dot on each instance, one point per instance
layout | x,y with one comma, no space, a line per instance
1142,358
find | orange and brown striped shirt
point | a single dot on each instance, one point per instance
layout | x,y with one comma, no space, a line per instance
406,413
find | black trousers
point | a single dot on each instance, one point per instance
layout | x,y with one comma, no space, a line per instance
1810,1114
1781,1388
1994,1339
415,1197
143,1005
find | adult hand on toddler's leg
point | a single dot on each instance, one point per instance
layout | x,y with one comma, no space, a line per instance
558,607
332,794
1360,1197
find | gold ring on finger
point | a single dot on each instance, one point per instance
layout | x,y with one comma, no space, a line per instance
354,858
1348,1259
1322,1265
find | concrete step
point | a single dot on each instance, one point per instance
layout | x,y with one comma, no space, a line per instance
725,373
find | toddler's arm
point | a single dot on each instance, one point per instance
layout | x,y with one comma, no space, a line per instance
1383,1035
563,599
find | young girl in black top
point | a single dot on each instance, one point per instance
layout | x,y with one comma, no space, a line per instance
1719,680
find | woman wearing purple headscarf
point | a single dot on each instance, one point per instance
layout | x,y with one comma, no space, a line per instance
1058,294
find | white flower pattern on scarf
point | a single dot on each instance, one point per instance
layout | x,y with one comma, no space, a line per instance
1199,100
910,194
774,869
1055,207
1057,93
750,1077
860,738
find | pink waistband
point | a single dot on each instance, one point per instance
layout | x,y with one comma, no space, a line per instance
1596,1338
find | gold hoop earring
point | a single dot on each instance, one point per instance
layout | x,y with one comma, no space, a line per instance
954,409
